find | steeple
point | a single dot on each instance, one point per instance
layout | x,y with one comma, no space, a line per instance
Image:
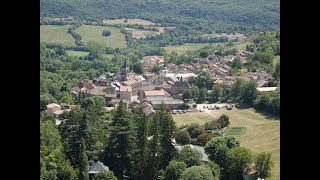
181,78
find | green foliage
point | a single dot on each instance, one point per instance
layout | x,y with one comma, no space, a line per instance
238,158
263,57
106,33
204,54
105,175
236,87
276,73
174,170
167,128
203,138
65,97
223,121
202,95
194,91
118,151
236,63
186,94
197,172
215,93
191,157
140,153
46,99
83,162
264,164
96,49
215,169
268,102
249,92
217,145
137,68
182,137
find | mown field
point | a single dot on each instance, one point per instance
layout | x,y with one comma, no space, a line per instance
77,53
253,130
129,21
116,40
137,33
180,49
56,34
230,36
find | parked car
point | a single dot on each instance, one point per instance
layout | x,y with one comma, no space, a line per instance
204,107
229,107
174,112
216,107
184,111
194,105
180,111
201,110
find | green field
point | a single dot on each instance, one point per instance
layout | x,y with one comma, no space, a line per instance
253,130
116,40
276,60
129,21
187,47
56,34
77,53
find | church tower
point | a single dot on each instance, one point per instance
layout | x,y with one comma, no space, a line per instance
125,71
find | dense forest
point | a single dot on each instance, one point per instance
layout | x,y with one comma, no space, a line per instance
231,15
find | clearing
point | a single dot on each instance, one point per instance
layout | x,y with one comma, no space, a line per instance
130,21
56,34
253,130
116,40
77,53
180,49
231,36
137,33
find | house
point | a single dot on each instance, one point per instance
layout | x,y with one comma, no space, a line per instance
126,93
97,167
151,94
59,113
167,102
51,108
179,86
136,85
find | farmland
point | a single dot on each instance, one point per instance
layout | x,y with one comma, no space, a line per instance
129,21
56,34
230,36
180,49
253,130
77,53
88,33
137,33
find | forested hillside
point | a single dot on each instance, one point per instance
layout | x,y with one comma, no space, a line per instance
237,15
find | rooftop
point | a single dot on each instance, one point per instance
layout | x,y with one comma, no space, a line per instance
126,88
52,105
266,89
154,93
98,167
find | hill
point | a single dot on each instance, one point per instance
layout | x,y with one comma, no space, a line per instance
229,14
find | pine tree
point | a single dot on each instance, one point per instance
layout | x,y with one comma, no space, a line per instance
83,162
140,155
167,128
117,153
153,152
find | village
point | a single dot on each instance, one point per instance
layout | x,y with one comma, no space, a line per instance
150,90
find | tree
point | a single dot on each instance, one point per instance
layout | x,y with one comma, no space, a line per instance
202,95
197,131
212,146
191,127
83,162
174,170
105,175
182,137
236,63
186,94
276,73
223,121
194,91
263,57
204,54
197,172
140,154
167,128
153,158
191,157
46,99
238,158
65,97
96,49
216,92
88,103
249,92
117,153
215,169
106,33
137,68
236,88
264,164
203,138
